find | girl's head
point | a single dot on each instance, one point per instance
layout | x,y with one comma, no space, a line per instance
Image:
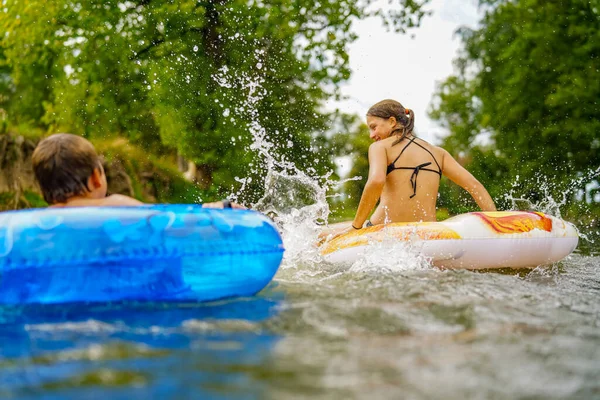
387,118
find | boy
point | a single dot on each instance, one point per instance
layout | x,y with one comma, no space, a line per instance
70,174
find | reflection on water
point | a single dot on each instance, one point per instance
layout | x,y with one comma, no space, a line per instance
137,350
326,332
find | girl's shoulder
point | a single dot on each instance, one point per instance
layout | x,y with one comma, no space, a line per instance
382,144
378,150
436,150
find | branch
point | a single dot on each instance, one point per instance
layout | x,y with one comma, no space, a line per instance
146,49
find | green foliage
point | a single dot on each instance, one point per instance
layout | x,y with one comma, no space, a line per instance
27,199
360,143
153,179
6,198
146,70
523,105
34,200
352,142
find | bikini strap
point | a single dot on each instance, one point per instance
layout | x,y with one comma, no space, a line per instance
415,175
432,156
408,144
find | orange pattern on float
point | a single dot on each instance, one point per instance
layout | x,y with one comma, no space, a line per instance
400,231
517,222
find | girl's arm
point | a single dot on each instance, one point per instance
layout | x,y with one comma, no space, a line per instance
459,175
374,185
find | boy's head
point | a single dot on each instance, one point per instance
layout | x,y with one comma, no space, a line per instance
67,165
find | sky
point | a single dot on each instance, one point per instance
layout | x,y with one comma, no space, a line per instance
406,67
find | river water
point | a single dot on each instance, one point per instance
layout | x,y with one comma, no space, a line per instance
405,330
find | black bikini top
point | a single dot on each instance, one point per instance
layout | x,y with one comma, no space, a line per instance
417,169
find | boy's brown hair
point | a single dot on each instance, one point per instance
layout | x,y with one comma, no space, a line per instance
63,163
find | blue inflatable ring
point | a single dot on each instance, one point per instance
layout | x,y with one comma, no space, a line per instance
157,252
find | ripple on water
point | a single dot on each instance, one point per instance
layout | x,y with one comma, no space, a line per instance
433,334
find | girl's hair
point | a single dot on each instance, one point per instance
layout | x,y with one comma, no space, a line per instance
405,118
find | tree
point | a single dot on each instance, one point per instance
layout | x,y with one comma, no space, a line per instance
528,84
149,70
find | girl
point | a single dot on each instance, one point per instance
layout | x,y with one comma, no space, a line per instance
405,172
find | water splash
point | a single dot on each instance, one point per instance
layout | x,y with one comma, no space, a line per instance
296,201
577,188
391,256
548,204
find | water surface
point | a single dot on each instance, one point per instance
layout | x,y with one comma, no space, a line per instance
404,330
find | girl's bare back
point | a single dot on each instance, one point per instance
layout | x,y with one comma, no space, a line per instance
412,181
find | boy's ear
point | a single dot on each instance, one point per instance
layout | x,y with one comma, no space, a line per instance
96,178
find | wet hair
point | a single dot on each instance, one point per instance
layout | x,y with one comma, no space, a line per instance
405,118
63,164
